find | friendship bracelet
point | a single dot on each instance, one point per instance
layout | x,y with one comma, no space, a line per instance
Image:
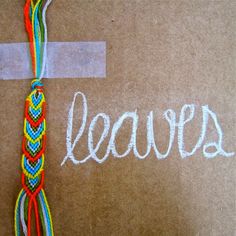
32,196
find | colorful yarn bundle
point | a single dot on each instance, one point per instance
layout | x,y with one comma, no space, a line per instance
32,196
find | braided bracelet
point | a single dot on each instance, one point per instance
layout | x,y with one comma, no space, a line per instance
32,196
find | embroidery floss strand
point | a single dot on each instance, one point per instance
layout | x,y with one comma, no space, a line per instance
32,196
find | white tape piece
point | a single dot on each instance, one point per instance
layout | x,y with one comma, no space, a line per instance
64,60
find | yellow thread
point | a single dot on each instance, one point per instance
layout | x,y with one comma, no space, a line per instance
49,212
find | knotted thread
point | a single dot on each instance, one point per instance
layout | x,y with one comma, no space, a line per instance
36,84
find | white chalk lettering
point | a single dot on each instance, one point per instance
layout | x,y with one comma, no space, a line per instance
187,114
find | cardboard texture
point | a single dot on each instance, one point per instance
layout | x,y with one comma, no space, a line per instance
160,55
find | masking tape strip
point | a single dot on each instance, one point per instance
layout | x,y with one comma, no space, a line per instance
64,60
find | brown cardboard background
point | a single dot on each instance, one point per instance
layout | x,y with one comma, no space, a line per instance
160,54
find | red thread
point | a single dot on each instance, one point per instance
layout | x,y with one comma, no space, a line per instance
28,27
37,217
29,218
